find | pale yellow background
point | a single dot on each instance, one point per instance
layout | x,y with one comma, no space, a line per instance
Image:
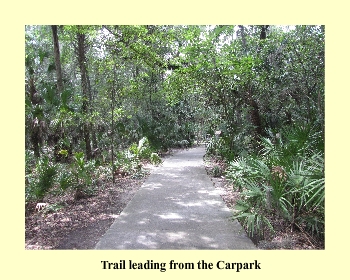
16,263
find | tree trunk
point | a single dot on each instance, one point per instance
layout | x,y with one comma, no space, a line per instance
243,35
85,88
37,122
250,100
56,48
254,116
263,32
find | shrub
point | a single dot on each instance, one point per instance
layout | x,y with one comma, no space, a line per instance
81,174
46,172
155,159
287,177
142,150
220,147
29,161
216,171
65,179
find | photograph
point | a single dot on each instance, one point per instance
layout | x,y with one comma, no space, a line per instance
174,137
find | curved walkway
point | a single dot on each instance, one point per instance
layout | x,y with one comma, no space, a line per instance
176,208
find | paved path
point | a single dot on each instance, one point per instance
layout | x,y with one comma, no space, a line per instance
176,208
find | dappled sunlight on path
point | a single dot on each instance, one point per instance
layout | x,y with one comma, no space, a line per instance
177,208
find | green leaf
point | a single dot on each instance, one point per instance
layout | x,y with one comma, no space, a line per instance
63,152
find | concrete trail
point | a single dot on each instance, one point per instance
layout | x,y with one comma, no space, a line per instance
177,207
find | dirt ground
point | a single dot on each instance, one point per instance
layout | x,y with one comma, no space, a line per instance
78,224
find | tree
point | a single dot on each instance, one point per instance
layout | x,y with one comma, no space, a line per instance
57,59
82,61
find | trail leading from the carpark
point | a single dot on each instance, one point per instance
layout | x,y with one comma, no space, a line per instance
177,207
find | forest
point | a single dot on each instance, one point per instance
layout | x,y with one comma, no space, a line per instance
101,102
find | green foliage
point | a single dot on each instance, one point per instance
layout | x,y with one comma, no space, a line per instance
43,179
155,159
242,171
164,85
143,151
77,176
63,152
220,147
126,162
129,161
52,208
293,143
65,179
288,177
82,174
216,171
306,193
29,161
251,215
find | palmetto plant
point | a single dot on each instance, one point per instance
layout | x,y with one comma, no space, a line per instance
46,172
251,176
306,193
252,209
286,178
81,171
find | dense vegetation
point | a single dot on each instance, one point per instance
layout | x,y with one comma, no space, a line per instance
100,100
